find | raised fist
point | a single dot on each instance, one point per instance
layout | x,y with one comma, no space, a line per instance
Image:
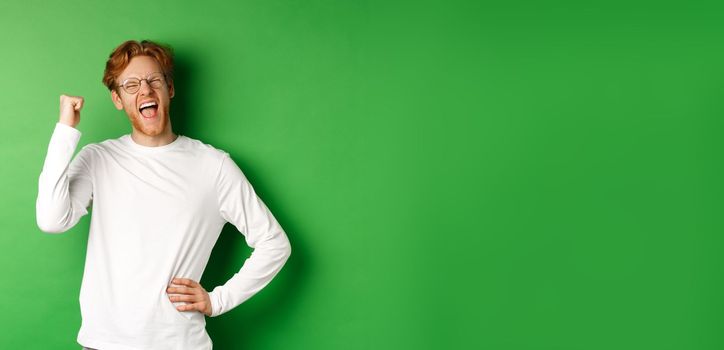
70,109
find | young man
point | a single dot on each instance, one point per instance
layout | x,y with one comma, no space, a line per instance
159,202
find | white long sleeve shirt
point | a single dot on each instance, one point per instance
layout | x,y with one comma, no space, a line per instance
156,214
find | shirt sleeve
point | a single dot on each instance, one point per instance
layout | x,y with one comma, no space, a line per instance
239,205
64,190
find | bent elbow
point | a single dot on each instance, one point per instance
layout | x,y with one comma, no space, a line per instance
279,247
287,250
49,226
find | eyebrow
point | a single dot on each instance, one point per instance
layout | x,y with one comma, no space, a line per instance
134,76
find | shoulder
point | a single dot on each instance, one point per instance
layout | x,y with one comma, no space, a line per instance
95,150
212,158
198,148
217,161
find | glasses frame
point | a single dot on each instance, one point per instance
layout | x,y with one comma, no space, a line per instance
162,81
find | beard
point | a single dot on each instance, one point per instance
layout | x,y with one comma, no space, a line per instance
153,127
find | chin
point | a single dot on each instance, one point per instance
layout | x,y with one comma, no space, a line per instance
149,130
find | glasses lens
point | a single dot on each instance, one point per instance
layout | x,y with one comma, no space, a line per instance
155,83
131,85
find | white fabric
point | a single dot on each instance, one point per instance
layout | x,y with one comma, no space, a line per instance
156,214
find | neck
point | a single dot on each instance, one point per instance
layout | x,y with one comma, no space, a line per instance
161,139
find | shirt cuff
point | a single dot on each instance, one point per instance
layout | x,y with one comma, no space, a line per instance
66,132
215,304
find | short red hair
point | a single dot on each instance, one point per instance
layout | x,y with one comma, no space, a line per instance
122,55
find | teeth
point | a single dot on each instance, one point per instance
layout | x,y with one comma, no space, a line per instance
147,104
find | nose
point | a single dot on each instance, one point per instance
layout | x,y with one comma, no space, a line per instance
144,89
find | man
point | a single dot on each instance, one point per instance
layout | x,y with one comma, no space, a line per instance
159,202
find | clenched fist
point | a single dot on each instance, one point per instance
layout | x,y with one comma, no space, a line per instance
70,109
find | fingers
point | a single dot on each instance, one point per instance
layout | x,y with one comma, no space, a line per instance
195,302
187,295
190,307
182,290
186,282
74,101
70,107
191,292
203,306
78,104
186,298
192,287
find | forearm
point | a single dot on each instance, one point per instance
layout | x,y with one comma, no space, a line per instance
55,208
258,270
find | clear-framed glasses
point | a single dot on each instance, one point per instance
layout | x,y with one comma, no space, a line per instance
132,85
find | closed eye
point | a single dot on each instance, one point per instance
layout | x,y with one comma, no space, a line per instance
155,83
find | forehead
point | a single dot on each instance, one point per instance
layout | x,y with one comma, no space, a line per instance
140,66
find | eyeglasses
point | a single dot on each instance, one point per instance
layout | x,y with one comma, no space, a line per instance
132,85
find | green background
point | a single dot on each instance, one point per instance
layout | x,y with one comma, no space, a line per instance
526,175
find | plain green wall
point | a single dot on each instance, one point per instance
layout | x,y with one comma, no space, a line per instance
451,175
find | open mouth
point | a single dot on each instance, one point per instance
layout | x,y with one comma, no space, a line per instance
149,109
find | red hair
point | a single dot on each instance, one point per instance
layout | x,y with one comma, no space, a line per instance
122,55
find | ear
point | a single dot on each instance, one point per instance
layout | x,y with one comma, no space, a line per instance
116,100
170,90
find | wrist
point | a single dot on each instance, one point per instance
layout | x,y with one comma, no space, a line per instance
68,123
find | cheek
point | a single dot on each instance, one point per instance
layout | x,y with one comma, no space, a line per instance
164,104
130,109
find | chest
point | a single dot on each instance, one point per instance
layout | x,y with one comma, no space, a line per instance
149,190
